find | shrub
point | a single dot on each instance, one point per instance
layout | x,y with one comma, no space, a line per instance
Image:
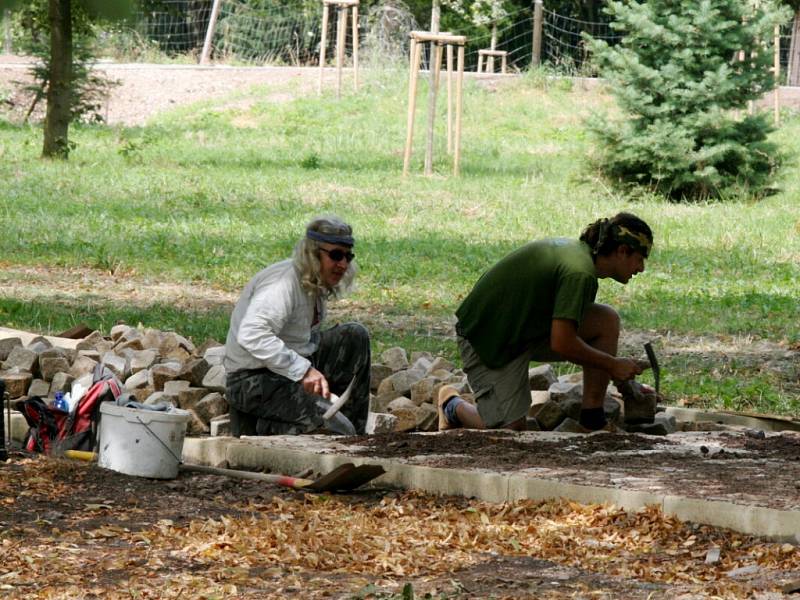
682,76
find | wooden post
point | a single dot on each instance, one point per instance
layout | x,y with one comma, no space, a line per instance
480,62
538,6
416,53
503,63
433,56
212,24
777,72
492,47
355,47
459,88
323,42
449,99
341,32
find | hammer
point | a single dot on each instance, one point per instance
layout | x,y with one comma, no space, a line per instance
651,356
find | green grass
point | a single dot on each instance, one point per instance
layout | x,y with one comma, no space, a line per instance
209,195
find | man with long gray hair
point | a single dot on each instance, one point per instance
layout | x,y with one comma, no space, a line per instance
279,360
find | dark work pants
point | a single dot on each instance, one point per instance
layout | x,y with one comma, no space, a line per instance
265,403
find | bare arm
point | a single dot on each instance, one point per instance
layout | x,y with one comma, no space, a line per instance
564,339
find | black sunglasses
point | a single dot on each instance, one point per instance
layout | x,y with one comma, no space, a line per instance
337,255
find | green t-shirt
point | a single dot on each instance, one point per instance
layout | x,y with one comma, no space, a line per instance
514,303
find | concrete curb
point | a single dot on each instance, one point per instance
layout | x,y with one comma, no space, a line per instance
779,525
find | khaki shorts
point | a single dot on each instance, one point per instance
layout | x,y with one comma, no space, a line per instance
503,395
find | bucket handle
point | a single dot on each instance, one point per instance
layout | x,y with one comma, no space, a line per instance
160,441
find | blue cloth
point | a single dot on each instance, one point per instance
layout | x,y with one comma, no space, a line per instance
450,411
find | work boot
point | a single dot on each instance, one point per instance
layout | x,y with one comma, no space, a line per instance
445,393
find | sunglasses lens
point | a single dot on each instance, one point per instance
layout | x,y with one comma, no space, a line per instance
337,255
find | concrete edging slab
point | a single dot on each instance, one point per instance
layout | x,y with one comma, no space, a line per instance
765,522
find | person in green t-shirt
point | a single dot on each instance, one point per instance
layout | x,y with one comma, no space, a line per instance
538,304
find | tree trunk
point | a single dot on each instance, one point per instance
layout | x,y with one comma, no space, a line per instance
794,52
59,89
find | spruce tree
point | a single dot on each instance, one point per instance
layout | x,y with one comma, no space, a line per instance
683,75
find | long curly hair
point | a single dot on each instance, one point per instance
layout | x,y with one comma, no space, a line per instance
306,258
604,236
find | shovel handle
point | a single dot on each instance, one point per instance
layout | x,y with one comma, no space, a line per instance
80,454
284,480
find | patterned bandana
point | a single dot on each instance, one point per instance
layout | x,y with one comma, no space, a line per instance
637,242
330,238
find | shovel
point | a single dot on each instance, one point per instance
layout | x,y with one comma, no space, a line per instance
343,478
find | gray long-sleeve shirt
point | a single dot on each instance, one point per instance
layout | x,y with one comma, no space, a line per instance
272,325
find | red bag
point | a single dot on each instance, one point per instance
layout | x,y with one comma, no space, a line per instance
51,428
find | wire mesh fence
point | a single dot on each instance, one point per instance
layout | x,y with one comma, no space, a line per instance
257,32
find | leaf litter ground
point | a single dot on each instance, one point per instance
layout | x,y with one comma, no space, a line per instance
73,530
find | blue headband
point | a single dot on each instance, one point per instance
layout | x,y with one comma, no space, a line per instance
330,238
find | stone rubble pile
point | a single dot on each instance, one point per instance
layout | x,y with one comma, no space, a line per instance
157,367
405,391
154,367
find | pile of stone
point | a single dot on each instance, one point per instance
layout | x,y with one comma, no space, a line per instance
405,392
157,367
154,367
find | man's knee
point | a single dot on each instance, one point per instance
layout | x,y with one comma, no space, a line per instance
356,331
600,320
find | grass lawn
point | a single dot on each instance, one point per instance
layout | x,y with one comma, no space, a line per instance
208,195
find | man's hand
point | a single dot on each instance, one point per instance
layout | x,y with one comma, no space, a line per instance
314,382
623,369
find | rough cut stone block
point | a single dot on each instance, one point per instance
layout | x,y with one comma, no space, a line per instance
83,365
395,358
220,426
380,402
7,345
49,366
377,373
570,426
401,402
427,417
138,380
549,415
194,370
118,330
215,379
39,387
576,377
422,390
542,377
134,344
207,345
400,382
152,339
16,383
379,422
118,365
196,426
39,344
441,363
189,398
415,356
214,355
93,354
406,419
142,359
669,422
174,388
62,382
210,406
22,359
90,341
160,375
142,394
422,364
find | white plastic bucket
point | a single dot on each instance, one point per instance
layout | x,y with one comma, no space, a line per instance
128,441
